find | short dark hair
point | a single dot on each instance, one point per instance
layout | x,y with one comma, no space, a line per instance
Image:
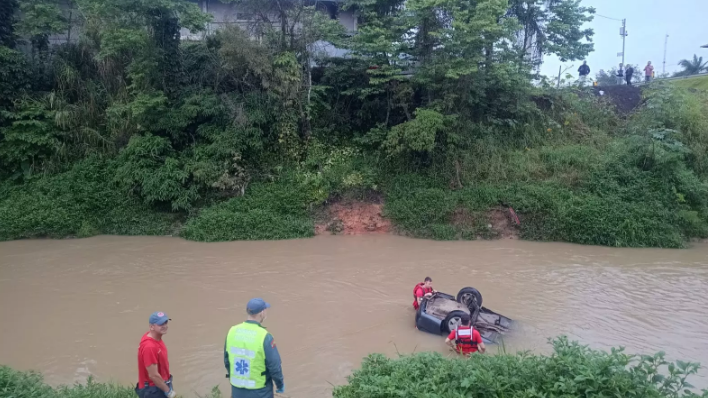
428,279
465,319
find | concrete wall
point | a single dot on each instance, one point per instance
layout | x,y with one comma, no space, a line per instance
74,27
223,14
226,14
348,19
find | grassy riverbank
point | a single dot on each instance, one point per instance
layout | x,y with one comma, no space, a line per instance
15,384
129,130
695,83
590,177
571,371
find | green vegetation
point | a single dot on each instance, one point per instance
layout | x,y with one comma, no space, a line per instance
78,203
14,384
695,83
571,371
692,66
129,130
269,211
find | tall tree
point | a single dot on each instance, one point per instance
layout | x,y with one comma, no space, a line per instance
552,27
8,11
692,67
40,20
293,29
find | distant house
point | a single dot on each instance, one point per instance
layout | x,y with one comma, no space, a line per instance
706,46
224,14
229,14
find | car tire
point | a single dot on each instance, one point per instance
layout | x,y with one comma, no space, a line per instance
452,316
466,293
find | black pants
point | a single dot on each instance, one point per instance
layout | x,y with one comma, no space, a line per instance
151,391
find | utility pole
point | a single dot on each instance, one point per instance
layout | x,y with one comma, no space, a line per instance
623,33
666,42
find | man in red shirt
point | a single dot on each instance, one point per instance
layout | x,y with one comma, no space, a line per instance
466,339
648,71
421,290
154,378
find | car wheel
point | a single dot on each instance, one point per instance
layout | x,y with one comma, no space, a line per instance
469,296
452,321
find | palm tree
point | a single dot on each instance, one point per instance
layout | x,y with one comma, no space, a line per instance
693,67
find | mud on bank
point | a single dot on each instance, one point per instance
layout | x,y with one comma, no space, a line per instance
360,217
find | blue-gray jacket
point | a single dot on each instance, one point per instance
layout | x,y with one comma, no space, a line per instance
273,374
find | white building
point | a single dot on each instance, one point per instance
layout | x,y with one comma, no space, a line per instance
225,14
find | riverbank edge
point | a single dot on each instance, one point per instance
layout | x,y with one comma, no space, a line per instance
572,369
351,217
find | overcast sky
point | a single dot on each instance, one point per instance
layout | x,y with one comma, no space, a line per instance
648,23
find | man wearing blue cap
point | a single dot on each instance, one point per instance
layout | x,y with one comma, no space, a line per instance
251,357
154,378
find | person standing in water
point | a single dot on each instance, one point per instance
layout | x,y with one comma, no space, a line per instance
421,290
251,358
154,378
465,340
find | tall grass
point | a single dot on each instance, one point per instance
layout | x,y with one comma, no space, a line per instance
574,172
267,211
79,202
16,384
643,184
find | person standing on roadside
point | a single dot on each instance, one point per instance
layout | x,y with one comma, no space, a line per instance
620,75
154,378
251,358
648,71
628,74
584,71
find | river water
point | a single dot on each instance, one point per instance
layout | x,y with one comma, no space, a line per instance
70,308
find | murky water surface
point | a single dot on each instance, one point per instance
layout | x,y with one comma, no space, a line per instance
77,307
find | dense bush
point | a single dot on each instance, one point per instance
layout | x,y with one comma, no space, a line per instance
215,130
80,202
15,384
571,371
267,211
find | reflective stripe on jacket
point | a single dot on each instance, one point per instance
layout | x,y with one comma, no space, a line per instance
246,356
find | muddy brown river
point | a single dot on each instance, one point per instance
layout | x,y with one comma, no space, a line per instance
71,308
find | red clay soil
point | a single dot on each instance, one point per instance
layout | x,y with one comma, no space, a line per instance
354,218
362,218
503,224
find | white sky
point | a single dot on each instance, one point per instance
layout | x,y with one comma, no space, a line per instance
648,22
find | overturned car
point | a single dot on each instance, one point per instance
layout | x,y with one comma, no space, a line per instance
441,313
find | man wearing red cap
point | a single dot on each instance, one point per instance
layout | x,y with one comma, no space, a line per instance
154,378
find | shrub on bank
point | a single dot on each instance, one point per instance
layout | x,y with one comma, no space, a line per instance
79,202
572,370
548,212
266,211
15,384
638,191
